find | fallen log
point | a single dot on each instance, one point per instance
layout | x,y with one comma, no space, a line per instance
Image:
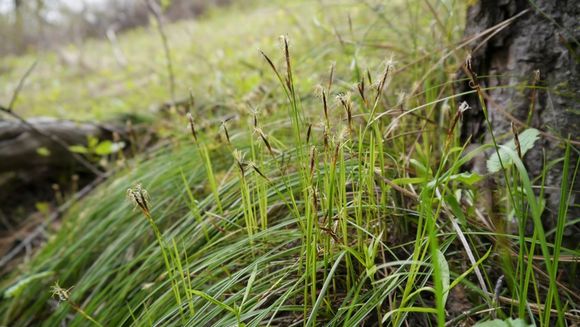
45,142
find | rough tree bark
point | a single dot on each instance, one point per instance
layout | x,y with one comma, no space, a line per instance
544,39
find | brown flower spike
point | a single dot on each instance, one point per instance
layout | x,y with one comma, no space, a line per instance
140,198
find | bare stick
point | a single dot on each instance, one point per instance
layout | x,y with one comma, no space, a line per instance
20,85
55,139
156,11
117,51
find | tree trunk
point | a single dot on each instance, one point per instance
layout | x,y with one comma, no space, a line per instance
544,39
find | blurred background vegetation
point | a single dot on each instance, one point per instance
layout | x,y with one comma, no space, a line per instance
35,25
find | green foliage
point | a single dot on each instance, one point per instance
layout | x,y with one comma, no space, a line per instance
445,276
347,208
97,148
526,138
17,289
43,151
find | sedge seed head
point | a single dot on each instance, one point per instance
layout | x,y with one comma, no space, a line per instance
191,126
139,197
318,91
343,134
238,155
62,294
308,133
239,158
226,133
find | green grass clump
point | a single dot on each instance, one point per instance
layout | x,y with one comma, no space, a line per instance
311,195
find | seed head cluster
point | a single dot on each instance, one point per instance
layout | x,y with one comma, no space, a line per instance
140,198
62,294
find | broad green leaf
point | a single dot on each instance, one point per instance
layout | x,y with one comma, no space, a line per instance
43,207
43,151
527,139
107,147
92,141
104,148
78,149
445,276
466,178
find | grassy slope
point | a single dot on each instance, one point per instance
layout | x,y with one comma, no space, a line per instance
334,245
204,52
